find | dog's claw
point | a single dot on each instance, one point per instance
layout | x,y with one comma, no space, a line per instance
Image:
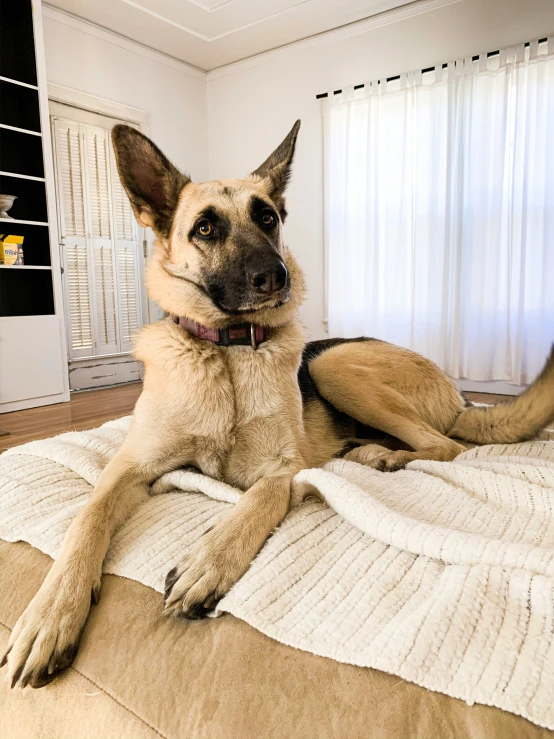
95,595
211,601
5,657
195,613
170,581
43,679
25,681
17,675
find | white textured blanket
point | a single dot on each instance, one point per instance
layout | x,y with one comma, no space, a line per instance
442,574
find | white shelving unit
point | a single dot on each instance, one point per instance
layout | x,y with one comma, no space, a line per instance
33,364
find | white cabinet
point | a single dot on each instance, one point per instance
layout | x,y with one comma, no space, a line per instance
32,365
33,353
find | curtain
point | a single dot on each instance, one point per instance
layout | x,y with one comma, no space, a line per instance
439,213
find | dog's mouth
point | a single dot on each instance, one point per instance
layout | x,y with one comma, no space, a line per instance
251,303
233,300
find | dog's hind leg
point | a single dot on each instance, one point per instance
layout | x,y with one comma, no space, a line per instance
45,638
357,391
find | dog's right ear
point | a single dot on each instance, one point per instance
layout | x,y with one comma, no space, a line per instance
152,183
276,169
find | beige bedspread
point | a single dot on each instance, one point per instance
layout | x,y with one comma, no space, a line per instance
139,675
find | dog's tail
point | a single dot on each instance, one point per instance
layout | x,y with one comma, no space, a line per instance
521,419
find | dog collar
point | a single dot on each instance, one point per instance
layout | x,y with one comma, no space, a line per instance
242,334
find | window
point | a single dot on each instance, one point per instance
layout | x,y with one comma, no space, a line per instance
440,213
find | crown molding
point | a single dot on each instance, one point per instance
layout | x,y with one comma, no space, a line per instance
336,34
351,29
68,19
96,104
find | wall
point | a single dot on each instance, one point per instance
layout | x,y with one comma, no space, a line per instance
253,104
84,58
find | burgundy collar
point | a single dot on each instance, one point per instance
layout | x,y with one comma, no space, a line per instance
242,334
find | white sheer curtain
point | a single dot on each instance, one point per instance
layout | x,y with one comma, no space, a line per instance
439,200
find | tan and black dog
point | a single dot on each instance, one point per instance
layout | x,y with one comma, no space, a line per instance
231,388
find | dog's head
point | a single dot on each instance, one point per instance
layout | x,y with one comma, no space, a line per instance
219,257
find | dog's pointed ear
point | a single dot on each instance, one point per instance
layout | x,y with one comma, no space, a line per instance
152,183
276,169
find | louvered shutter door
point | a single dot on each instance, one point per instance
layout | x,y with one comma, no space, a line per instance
77,273
128,281
104,295
125,224
127,260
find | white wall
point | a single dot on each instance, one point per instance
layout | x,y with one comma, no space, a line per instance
252,105
174,95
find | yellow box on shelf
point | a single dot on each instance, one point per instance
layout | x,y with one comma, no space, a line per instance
11,249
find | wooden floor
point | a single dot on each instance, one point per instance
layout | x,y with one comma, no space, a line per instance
92,408
85,410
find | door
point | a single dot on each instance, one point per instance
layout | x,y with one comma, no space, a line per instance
100,254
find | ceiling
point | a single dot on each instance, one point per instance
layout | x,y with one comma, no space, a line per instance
211,33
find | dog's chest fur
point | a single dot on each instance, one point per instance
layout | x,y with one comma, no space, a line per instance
233,412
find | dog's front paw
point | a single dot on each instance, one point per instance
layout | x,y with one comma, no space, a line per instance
215,563
45,639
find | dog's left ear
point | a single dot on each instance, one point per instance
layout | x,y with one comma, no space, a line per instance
276,169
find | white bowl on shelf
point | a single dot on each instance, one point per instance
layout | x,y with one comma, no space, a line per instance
6,202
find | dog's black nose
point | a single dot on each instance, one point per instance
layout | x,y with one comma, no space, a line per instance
268,280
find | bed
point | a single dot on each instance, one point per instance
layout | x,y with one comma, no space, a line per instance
141,675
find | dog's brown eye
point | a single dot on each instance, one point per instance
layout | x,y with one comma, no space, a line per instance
204,229
268,219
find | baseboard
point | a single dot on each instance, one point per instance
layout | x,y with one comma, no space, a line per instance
497,387
22,405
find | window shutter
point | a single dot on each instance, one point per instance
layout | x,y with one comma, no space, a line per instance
125,227
102,247
128,281
77,277
99,188
71,178
77,282
127,259
105,298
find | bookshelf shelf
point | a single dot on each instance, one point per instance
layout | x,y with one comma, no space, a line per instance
20,130
22,266
18,82
18,220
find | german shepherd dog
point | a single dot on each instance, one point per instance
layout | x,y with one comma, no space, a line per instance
231,388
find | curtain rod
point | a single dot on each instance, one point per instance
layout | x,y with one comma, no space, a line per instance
423,71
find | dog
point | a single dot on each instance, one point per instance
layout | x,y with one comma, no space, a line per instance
232,389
